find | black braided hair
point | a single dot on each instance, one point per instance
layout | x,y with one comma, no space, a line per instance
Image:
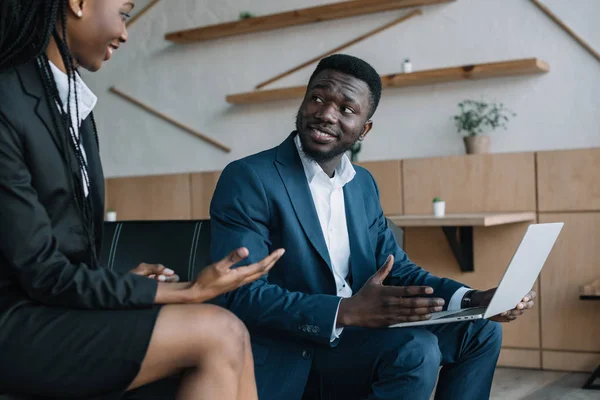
26,27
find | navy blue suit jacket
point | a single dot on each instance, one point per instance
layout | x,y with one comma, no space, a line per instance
263,202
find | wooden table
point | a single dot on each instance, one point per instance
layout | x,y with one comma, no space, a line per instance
458,229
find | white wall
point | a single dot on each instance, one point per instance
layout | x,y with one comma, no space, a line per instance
558,110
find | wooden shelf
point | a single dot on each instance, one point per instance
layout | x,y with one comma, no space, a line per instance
526,66
590,291
291,18
462,219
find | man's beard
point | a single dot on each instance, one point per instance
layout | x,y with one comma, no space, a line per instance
320,156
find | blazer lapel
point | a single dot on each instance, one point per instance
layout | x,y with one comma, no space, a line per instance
361,250
292,173
33,86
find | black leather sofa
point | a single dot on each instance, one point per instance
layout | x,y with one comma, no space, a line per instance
183,246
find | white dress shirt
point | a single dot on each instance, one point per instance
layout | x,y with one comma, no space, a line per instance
86,101
328,196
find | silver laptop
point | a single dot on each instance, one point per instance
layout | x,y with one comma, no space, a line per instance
518,279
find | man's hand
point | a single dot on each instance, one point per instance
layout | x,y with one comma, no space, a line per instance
156,271
376,305
483,298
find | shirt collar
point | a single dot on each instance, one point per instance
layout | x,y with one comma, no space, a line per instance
86,98
344,172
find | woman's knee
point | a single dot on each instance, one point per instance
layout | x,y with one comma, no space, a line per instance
217,330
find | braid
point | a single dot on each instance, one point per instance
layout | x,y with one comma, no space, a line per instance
26,27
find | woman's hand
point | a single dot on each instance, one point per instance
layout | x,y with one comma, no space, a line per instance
220,278
156,271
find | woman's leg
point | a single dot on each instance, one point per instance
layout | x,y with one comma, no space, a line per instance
209,343
248,390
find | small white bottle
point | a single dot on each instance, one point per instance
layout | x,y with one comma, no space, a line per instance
407,66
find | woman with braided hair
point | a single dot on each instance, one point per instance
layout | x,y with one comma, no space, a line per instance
70,328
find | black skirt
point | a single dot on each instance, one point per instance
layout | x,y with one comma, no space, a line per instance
63,353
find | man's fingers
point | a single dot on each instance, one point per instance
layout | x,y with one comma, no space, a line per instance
382,273
407,291
413,302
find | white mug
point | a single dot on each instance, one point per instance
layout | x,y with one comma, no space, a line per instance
439,208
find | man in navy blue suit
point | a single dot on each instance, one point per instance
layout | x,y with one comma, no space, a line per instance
318,321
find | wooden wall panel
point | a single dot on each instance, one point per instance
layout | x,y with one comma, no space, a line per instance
520,358
388,175
106,198
203,188
493,250
161,197
471,184
570,361
567,322
569,180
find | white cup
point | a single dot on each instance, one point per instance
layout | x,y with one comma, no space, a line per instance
439,208
111,216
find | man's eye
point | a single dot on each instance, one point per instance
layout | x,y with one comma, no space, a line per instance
317,99
347,110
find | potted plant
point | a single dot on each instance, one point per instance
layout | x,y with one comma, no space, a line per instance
246,15
439,207
474,118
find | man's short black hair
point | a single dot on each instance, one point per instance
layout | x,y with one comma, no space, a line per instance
357,68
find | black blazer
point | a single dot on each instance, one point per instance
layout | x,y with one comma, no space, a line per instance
43,247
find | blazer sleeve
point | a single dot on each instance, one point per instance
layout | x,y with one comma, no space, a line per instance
30,249
240,217
405,272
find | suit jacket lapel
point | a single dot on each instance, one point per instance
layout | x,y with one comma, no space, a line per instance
33,86
292,174
360,246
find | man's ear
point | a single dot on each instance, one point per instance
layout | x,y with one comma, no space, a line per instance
368,126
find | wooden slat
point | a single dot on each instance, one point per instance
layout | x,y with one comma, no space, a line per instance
106,197
569,323
203,188
520,358
292,18
489,183
169,119
341,47
141,13
462,219
419,78
569,180
493,248
570,361
570,31
388,175
161,197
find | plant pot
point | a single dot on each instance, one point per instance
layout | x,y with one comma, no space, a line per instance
439,208
478,144
111,216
